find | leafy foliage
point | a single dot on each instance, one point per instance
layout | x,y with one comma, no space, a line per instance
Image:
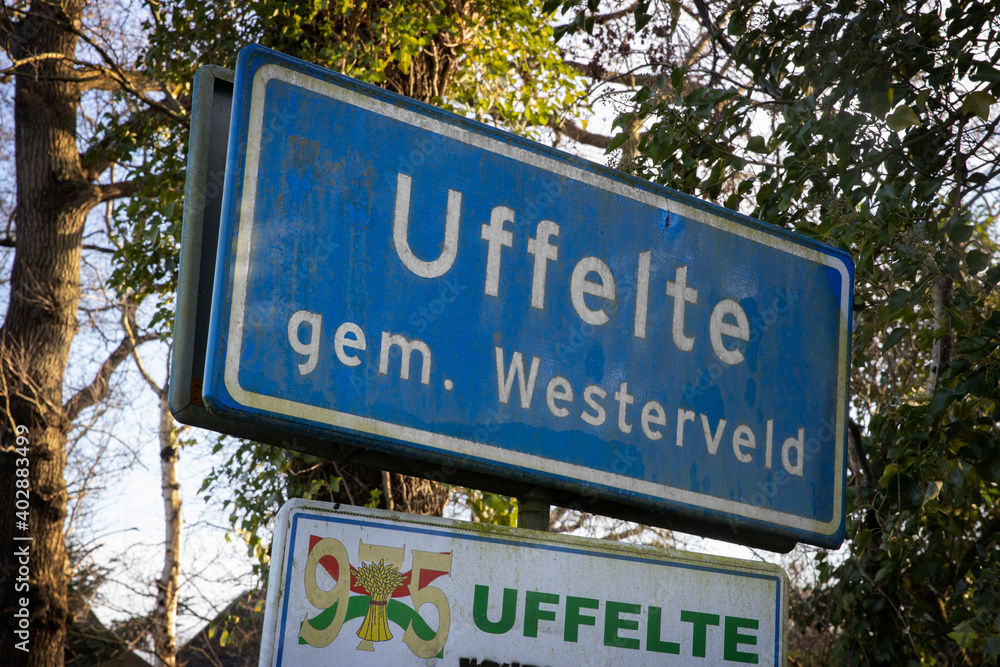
494,61
258,480
872,126
488,507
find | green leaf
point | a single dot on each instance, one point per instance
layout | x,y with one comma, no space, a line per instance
989,470
617,141
964,635
932,492
993,647
961,233
737,24
757,145
977,260
939,401
902,118
986,72
978,103
884,572
890,470
894,337
897,300
862,540
677,78
642,94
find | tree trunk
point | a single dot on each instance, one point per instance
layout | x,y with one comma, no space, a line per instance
165,614
53,199
944,290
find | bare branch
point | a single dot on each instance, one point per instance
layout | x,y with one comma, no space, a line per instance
560,523
387,491
7,26
118,74
580,135
624,533
611,16
30,59
100,387
112,73
111,191
344,485
597,71
157,389
600,19
944,291
719,36
710,25
8,242
95,77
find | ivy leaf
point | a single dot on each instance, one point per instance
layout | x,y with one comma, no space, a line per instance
677,78
932,492
964,635
757,145
894,337
617,141
737,24
978,103
902,118
977,260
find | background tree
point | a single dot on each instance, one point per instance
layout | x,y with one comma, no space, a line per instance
162,631
872,126
495,61
61,176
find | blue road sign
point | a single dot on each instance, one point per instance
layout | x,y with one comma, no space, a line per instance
395,275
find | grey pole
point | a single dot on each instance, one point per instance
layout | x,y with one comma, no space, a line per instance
533,510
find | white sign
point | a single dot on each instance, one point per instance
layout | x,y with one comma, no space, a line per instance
352,586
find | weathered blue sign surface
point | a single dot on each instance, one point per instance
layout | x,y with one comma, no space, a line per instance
395,275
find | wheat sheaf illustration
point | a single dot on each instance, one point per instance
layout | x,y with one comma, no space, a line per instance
379,581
